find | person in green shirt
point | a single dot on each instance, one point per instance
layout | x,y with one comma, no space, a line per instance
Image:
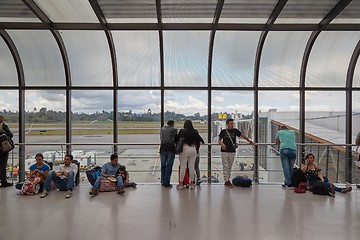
286,139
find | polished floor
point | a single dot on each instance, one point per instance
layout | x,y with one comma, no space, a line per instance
209,212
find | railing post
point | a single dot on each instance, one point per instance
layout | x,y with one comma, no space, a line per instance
327,160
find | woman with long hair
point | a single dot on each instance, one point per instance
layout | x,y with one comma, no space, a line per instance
188,156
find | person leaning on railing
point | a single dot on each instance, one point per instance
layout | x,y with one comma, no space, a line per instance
286,139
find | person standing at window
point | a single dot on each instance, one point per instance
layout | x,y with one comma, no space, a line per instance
167,152
286,139
188,156
227,140
4,155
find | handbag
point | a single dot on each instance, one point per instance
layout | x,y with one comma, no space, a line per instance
180,144
234,145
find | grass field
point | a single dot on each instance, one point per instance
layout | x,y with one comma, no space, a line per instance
100,128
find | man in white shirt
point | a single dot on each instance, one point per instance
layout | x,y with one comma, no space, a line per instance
64,177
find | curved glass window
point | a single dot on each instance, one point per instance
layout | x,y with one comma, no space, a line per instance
356,79
329,59
305,11
131,11
281,59
234,58
186,58
40,56
246,11
16,11
188,11
138,57
8,73
68,10
89,58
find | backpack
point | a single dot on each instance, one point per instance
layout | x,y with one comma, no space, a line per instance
93,174
301,188
77,177
242,181
31,186
320,188
107,186
6,143
297,177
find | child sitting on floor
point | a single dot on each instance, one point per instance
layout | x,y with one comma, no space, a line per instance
125,175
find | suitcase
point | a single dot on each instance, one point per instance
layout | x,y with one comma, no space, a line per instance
186,180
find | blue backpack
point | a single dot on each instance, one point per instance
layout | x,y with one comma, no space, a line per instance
242,181
93,174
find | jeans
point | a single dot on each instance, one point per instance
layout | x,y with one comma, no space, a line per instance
326,181
227,162
287,157
3,164
187,159
197,168
167,161
61,184
119,182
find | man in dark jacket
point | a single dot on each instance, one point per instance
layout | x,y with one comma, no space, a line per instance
167,152
4,155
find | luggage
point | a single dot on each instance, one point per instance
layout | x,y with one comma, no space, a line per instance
93,174
107,186
320,188
77,177
297,177
242,181
186,180
31,186
6,143
301,188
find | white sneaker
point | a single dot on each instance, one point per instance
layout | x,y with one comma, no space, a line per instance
287,187
44,194
69,194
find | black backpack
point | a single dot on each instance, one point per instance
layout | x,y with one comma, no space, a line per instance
297,177
320,188
242,181
77,177
93,174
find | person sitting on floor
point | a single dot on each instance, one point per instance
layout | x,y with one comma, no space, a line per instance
40,169
125,176
64,177
109,170
313,174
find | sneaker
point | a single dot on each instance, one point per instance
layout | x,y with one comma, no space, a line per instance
198,182
331,194
192,185
228,184
134,186
289,187
332,188
180,187
69,194
6,184
346,190
94,192
120,190
44,194
167,186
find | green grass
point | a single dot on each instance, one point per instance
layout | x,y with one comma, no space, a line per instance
100,128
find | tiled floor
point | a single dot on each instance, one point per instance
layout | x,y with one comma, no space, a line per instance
208,212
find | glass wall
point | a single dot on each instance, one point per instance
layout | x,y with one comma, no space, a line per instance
9,103
45,123
326,123
139,123
276,108
238,105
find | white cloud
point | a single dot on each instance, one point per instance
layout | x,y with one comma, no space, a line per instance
219,99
